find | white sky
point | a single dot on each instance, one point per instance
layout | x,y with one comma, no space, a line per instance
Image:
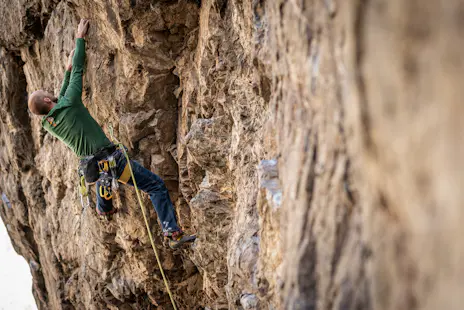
15,277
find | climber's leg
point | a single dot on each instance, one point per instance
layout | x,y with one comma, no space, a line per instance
154,186
104,200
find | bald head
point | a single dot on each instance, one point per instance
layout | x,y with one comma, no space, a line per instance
41,102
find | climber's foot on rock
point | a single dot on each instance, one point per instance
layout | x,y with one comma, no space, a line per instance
179,238
108,215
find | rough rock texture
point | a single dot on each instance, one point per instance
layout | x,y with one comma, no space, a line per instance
314,146
81,261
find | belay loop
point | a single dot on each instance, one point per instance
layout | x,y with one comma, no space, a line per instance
139,197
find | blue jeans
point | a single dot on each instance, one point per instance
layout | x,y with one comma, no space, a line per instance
151,184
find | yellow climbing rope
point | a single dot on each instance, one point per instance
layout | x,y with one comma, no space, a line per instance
142,206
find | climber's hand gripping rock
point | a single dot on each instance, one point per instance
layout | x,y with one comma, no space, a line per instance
82,28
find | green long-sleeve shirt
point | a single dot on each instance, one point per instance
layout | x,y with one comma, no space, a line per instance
69,120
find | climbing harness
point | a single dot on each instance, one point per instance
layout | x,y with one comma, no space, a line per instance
107,182
142,206
100,167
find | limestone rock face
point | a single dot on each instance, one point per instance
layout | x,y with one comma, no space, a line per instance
314,147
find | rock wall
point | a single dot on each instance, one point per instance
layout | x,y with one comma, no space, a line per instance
313,146
407,66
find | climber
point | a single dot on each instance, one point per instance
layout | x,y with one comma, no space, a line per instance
68,119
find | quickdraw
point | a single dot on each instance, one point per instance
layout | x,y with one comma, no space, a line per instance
107,179
105,190
83,189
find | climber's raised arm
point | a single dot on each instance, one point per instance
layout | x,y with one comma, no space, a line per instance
67,74
74,90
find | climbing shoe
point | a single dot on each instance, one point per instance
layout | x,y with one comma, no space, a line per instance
107,215
178,238
102,213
